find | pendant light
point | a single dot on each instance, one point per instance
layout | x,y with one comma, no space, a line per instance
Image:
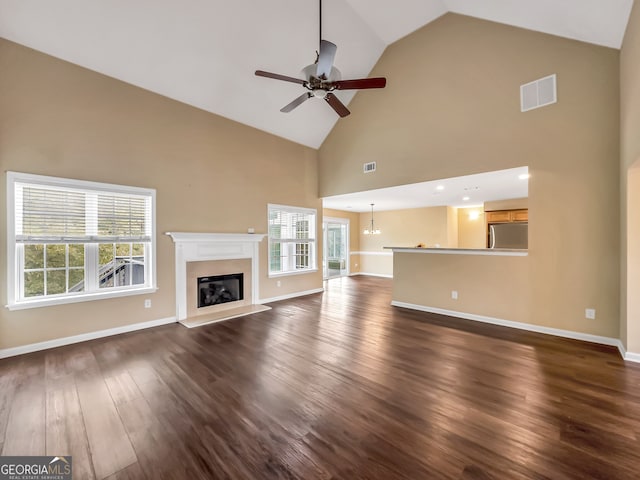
372,230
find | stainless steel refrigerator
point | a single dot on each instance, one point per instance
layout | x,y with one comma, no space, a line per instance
509,235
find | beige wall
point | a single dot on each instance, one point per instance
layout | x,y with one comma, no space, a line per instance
631,323
401,228
61,120
451,108
630,185
452,227
377,264
509,204
491,286
406,228
471,228
354,235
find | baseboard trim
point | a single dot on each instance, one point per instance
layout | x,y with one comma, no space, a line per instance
60,342
381,275
622,350
290,295
586,337
630,356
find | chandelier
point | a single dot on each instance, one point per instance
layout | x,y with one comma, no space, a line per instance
372,230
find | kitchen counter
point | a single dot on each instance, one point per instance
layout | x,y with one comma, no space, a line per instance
505,252
491,285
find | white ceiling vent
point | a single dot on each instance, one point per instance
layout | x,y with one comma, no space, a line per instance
369,167
538,93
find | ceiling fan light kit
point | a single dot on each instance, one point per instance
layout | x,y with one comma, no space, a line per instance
322,78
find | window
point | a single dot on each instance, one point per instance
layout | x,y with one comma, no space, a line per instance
292,240
72,240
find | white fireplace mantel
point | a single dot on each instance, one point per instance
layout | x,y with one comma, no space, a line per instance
198,247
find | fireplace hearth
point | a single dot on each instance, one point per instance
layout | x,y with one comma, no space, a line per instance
214,290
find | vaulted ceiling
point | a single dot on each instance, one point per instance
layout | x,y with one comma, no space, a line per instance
204,52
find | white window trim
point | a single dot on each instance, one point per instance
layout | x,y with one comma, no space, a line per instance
297,272
85,297
310,211
342,221
12,270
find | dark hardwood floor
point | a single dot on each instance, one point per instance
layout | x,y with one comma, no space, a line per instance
334,385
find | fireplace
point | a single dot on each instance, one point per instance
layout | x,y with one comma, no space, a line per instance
199,255
214,290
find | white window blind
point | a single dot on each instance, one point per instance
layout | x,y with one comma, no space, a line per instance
49,214
292,239
290,226
52,215
124,217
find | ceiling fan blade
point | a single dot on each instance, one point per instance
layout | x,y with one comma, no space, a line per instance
276,76
361,83
337,105
325,59
301,99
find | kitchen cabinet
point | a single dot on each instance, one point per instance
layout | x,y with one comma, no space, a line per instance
507,216
520,215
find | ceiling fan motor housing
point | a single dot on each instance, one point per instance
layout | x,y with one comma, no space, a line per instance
309,74
322,78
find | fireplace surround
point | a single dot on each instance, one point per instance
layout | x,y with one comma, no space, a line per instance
203,247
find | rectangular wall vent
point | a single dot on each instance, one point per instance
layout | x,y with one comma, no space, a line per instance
538,93
369,167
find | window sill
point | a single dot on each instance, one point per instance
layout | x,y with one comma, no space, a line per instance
287,274
48,302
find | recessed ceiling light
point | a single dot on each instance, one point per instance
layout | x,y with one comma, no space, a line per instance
465,198
523,176
440,187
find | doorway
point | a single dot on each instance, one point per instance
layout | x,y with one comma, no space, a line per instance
335,261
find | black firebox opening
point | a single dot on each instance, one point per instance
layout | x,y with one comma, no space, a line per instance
220,289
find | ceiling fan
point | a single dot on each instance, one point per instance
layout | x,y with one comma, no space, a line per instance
322,78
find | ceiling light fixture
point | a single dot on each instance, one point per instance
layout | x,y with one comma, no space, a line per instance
465,198
372,230
440,187
524,176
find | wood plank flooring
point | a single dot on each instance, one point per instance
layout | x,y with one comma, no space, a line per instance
337,385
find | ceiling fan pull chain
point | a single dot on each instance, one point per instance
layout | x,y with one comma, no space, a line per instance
320,26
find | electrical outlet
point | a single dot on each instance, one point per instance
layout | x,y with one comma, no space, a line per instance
278,283
590,313
454,294
147,303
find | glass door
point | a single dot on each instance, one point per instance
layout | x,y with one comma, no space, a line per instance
335,260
